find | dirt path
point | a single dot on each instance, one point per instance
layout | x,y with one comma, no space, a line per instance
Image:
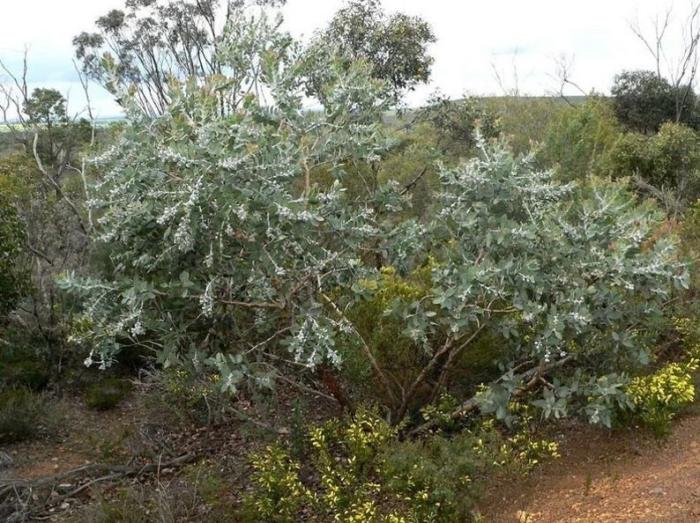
606,478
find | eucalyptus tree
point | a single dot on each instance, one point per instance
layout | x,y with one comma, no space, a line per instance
48,144
150,42
395,46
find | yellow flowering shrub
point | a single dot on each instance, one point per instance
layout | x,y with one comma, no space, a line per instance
659,396
520,452
396,353
279,493
359,472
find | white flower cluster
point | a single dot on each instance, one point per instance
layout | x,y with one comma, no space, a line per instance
317,337
108,155
168,155
168,214
137,329
183,237
206,300
232,164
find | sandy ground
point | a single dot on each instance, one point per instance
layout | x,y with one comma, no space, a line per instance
606,478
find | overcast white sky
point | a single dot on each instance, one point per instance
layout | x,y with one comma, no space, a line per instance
473,37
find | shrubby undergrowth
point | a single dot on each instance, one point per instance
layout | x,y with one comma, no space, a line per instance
357,470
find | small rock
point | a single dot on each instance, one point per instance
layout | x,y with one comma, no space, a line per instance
65,505
657,491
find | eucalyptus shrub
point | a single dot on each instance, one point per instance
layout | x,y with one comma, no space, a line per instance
220,243
228,251
570,280
568,276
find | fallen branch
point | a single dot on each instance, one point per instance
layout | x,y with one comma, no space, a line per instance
13,491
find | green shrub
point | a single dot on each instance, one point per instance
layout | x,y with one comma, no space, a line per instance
689,233
658,397
644,101
525,121
24,373
345,458
14,277
21,413
579,139
190,396
668,160
359,470
279,493
106,394
438,478
24,362
396,353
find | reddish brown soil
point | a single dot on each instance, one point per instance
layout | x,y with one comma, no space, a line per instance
606,477
79,439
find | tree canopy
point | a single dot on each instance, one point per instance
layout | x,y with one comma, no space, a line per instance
643,101
395,46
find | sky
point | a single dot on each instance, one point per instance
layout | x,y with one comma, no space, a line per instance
520,39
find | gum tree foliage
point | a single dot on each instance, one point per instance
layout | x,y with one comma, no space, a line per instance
224,253
216,250
568,279
395,46
150,42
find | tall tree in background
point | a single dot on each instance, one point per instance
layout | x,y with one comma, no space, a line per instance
643,101
677,64
395,46
47,179
150,43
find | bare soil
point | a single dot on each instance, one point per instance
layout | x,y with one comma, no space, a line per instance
609,477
